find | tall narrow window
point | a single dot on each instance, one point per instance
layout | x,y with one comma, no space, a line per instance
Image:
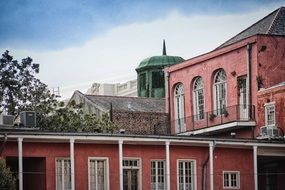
186,175
179,108
198,99
243,104
98,174
157,79
220,93
63,174
142,81
157,175
131,174
270,114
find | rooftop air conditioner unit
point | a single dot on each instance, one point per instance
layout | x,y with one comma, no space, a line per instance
269,131
7,119
28,119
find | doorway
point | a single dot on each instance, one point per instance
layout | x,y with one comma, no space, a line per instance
34,171
243,102
131,174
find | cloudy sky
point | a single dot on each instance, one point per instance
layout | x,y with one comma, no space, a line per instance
78,42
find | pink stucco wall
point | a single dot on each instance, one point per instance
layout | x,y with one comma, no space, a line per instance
233,60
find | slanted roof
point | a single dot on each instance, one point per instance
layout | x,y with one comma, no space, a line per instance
123,103
272,24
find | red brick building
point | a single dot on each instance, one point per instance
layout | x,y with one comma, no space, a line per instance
216,93
97,161
271,110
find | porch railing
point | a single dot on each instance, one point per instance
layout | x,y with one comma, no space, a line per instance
214,118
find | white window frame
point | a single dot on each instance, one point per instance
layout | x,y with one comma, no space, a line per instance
56,172
196,103
135,167
106,159
193,172
218,85
179,109
156,173
230,173
266,107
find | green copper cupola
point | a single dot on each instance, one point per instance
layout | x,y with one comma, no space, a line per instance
150,74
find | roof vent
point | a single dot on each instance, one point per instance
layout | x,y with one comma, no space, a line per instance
122,131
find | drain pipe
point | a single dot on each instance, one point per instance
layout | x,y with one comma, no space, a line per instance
204,168
249,78
167,74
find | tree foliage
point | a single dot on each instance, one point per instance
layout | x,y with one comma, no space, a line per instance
71,118
20,91
7,180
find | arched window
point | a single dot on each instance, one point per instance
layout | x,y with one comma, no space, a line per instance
179,108
198,98
220,92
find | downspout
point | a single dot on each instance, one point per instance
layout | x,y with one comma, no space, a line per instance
167,74
249,78
204,168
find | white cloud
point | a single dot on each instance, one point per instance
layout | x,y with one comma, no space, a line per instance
113,56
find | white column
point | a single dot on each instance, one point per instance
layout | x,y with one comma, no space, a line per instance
72,164
211,166
255,167
167,165
20,162
121,163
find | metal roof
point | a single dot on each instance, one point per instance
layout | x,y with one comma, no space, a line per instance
159,62
272,24
131,104
15,133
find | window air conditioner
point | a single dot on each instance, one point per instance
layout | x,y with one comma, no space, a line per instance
269,131
7,119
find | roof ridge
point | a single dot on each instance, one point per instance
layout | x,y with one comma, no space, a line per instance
273,21
97,95
248,27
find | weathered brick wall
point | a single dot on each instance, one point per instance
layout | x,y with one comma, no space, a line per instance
276,95
141,122
271,59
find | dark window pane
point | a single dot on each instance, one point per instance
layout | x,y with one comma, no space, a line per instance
158,79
